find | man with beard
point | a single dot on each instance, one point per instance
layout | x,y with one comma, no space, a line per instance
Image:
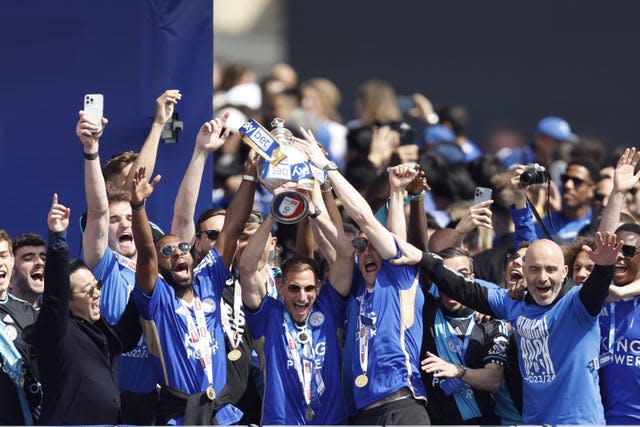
558,336
18,388
181,308
109,251
27,282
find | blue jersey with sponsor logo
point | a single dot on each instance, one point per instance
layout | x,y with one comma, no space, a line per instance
557,345
117,273
620,380
284,401
166,327
392,318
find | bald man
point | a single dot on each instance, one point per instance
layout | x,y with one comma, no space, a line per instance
558,336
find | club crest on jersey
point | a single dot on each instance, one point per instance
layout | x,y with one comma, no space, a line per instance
316,318
208,305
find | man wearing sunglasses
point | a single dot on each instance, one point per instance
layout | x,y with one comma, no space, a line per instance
182,306
384,327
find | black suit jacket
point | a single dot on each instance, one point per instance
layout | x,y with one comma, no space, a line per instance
78,359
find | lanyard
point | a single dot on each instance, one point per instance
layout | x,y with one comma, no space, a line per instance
367,329
301,351
234,335
461,351
200,337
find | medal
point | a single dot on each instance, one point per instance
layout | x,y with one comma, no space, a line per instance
211,393
361,380
309,414
234,355
303,337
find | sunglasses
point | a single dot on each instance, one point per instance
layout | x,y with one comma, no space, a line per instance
360,243
211,234
564,178
255,217
92,289
169,250
294,289
599,197
629,251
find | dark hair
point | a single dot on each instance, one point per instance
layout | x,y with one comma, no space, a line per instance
590,165
361,173
453,252
299,263
209,213
456,116
630,227
571,251
482,169
76,264
118,196
28,239
116,163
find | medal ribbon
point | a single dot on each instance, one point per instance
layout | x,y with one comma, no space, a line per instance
200,337
235,337
364,331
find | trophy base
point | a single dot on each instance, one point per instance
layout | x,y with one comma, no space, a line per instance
289,207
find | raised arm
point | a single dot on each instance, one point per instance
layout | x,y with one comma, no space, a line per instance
165,104
238,212
623,180
209,139
253,259
595,289
417,230
334,245
399,177
354,204
96,233
525,230
147,261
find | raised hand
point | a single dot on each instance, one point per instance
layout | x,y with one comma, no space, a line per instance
410,254
87,131
141,188
58,217
165,105
477,216
419,183
210,137
607,248
624,179
251,164
402,175
311,147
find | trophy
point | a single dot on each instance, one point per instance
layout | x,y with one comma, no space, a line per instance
284,169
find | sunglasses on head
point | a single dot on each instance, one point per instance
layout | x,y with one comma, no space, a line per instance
91,290
629,251
564,178
168,250
211,234
294,289
360,243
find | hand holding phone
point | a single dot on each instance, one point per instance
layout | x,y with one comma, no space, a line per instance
482,194
93,107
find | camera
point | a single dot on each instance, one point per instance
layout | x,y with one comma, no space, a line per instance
407,133
534,174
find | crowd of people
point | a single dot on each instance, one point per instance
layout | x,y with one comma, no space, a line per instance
398,299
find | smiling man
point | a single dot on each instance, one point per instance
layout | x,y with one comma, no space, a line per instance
27,282
558,335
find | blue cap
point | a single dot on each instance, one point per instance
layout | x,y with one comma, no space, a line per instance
438,133
556,128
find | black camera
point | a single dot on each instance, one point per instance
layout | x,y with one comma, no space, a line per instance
534,174
407,133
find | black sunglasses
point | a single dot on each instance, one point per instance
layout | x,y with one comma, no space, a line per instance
96,285
211,234
168,250
599,197
564,178
294,289
360,243
629,251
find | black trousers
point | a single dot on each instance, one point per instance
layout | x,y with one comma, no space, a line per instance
407,411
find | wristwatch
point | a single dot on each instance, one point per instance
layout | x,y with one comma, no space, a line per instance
315,214
331,166
462,370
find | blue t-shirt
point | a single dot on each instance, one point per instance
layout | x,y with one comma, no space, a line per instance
620,380
118,275
283,400
165,318
395,310
556,346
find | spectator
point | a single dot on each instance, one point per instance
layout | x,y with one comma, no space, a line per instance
27,281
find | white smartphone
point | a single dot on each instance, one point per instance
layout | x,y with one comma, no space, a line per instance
482,194
93,106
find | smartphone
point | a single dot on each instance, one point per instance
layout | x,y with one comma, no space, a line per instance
93,106
482,194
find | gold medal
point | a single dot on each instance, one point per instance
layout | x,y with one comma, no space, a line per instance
361,380
211,393
234,355
309,414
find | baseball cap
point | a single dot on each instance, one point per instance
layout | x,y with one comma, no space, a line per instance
557,128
